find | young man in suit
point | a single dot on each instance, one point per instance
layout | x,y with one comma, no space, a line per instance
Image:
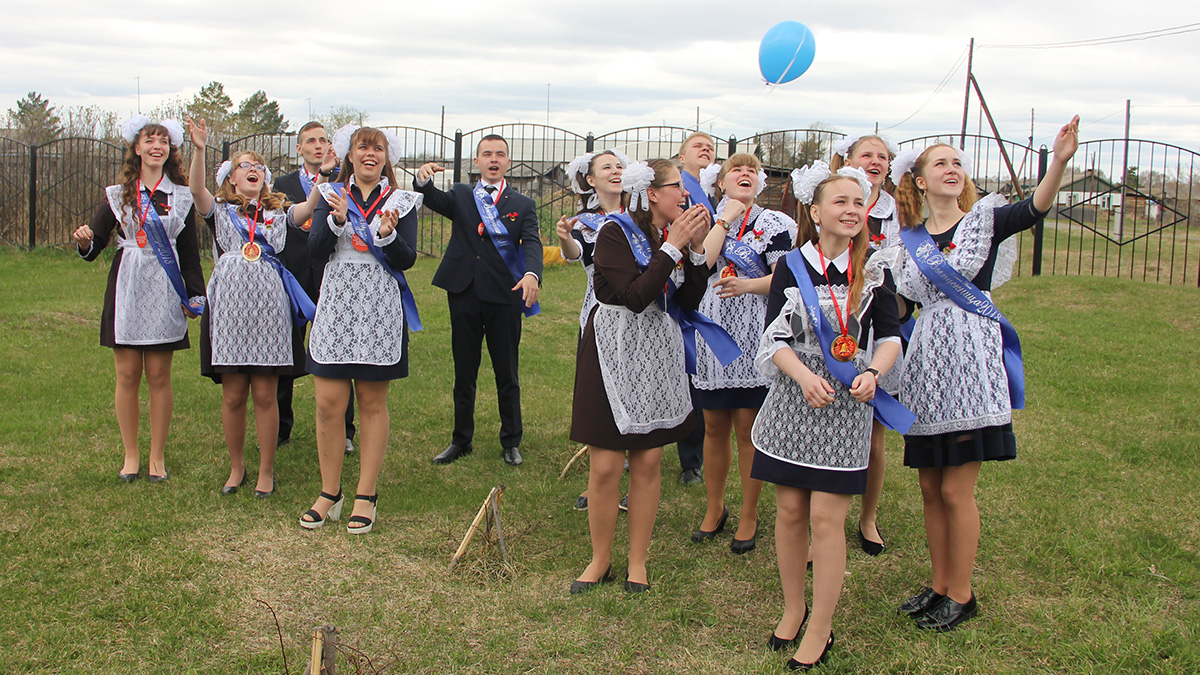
695,153
316,156
490,271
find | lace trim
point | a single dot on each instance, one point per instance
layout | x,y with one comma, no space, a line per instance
641,364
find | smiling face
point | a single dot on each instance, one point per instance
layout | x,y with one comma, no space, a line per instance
840,208
491,158
368,156
697,153
669,199
740,183
248,177
153,149
941,174
312,146
605,174
871,156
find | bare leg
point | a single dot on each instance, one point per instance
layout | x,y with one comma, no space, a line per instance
791,545
828,518
332,398
604,491
129,384
718,456
645,487
743,423
373,425
235,388
162,403
266,424
875,470
936,524
962,534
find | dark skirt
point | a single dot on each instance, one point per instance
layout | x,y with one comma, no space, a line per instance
207,369
960,447
730,399
773,470
108,319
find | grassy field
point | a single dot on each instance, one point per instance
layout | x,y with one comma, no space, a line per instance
1089,562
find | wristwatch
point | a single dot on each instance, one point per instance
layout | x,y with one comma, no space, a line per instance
327,174
873,372
722,223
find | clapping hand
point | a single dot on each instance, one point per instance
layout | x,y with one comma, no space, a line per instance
388,220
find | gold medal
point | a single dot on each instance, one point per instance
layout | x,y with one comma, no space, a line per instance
251,251
843,348
728,271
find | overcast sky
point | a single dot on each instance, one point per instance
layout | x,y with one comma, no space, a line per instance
628,64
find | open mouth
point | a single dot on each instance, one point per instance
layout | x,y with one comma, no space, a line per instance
252,178
745,182
370,161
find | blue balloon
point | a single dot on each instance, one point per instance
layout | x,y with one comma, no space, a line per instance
786,51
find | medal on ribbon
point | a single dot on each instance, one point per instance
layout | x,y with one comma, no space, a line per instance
843,347
141,237
250,250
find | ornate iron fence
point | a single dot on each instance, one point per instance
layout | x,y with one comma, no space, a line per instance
1125,209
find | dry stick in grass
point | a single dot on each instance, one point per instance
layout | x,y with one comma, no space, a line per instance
324,648
278,632
494,495
581,453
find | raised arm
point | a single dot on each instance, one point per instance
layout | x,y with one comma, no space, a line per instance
1065,145
441,202
198,132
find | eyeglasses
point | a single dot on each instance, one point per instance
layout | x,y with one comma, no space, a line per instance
248,166
676,184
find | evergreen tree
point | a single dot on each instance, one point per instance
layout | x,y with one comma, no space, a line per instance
213,105
35,120
258,114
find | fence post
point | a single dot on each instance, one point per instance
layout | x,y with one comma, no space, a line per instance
32,196
458,155
590,143
732,145
1039,229
224,152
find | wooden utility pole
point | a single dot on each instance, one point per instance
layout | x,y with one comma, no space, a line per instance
999,141
1120,231
962,139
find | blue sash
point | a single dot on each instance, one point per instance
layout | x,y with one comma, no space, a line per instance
363,231
306,183
303,309
592,220
695,192
745,258
501,240
156,233
937,269
888,410
723,346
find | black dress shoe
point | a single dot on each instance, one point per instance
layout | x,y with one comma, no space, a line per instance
263,494
158,479
917,605
871,548
947,614
793,664
127,477
232,489
512,456
578,586
635,587
704,535
690,477
282,440
452,452
741,546
779,644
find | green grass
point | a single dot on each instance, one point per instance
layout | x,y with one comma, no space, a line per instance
1089,561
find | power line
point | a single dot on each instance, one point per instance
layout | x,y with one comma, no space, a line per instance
962,57
1115,39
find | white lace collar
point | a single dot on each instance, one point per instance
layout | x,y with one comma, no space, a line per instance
166,186
884,207
810,253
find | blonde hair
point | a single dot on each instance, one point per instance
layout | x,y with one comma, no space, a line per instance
692,135
910,199
734,161
861,241
228,194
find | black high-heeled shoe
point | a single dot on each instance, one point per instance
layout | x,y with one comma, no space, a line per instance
263,494
793,664
704,535
779,644
871,548
741,546
363,524
578,586
333,513
232,489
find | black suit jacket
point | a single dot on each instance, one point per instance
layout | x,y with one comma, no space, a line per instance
471,259
295,255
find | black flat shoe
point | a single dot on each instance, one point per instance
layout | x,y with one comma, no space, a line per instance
793,664
871,548
151,478
704,535
452,453
779,644
232,489
578,586
128,477
261,494
947,614
635,587
917,605
742,546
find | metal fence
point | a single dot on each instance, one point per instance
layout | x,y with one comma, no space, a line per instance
1125,210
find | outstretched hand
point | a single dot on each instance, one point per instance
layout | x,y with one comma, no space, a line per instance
197,132
427,170
1066,142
